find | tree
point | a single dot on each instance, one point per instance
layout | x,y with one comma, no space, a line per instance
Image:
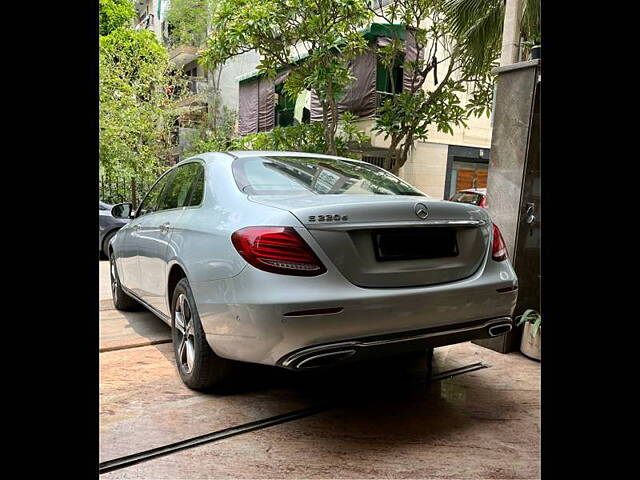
479,24
115,14
136,95
326,31
463,90
188,21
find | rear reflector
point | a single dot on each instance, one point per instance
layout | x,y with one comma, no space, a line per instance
277,250
499,249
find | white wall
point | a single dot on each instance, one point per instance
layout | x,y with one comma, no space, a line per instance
426,168
229,86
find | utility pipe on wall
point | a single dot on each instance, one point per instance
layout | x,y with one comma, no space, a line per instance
511,32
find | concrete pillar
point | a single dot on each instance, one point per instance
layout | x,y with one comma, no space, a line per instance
511,32
513,185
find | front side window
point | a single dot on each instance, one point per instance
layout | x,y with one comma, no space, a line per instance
290,175
177,193
150,202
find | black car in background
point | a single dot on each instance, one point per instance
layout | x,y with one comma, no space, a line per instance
108,227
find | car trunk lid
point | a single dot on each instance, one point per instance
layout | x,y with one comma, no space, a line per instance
392,240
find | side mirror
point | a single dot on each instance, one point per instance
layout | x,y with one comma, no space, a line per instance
122,210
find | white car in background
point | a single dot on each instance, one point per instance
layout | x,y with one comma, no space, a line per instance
474,196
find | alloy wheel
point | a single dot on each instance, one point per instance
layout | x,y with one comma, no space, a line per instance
183,320
114,277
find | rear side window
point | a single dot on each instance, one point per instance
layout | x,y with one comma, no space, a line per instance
178,192
283,175
197,188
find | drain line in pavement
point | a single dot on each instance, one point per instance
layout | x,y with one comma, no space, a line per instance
459,371
146,455
135,345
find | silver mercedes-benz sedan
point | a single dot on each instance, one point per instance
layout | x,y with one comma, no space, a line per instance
305,260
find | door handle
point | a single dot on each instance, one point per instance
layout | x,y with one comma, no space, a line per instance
531,208
164,228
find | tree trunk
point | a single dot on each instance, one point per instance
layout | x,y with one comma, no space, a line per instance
327,128
332,123
389,161
404,154
134,196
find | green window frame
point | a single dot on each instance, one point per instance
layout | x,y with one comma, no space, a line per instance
284,108
383,81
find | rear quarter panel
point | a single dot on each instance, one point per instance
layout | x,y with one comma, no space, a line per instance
201,241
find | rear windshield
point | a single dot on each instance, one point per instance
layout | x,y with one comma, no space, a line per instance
467,197
275,175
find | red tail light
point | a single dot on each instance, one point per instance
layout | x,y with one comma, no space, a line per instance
277,250
499,250
483,202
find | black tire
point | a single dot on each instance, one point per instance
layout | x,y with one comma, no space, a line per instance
207,370
105,243
121,300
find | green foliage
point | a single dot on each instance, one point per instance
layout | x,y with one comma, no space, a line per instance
302,137
219,139
188,21
135,105
115,14
136,57
280,30
478,24
533,317
349,131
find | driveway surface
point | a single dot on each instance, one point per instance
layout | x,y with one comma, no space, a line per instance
383,420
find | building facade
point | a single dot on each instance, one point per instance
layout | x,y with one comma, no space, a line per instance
439,167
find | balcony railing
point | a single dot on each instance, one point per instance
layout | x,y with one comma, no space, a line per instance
146,22
382,96
183,54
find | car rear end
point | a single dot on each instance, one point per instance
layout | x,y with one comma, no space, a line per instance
358,276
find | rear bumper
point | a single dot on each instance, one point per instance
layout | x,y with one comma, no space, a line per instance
264,318
393,344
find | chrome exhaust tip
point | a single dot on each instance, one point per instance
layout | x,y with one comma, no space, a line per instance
325,359
500,329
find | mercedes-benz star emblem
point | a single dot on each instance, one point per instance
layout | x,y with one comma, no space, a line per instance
421,210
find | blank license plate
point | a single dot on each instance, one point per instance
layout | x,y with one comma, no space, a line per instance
415,243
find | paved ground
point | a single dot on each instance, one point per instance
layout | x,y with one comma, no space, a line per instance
126,329
385,423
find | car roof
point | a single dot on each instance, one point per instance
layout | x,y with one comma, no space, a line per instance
482,191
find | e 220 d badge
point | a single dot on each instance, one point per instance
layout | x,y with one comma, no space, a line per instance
328,218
